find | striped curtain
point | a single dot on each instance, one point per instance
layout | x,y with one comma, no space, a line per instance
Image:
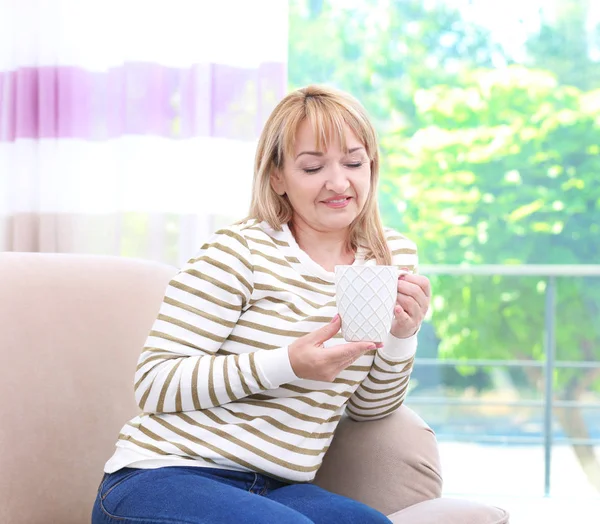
129,126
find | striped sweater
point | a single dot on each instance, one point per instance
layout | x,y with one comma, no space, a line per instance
214,380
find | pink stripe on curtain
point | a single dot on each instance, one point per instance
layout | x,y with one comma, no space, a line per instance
139,98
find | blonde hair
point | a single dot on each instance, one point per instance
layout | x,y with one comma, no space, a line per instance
327,110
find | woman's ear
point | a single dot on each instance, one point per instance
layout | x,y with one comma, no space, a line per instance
277,182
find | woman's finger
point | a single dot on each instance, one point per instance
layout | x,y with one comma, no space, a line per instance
419,280
401,314
413,290
351,351
410,306
326,332
346,363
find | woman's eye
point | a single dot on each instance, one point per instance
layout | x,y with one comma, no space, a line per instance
310,170
354,165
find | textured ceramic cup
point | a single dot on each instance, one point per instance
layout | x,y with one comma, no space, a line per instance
365,297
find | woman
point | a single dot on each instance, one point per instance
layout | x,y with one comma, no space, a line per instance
244,375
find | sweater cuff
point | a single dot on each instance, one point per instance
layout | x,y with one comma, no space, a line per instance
274,367
399,348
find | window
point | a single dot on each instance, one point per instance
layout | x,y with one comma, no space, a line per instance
489,118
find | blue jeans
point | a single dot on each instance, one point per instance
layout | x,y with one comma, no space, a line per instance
190,495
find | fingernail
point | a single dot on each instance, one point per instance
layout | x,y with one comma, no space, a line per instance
374,346
334,319
402,277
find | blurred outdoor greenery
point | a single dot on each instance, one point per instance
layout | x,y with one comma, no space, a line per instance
489,157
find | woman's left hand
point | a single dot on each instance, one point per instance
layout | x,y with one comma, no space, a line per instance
412,303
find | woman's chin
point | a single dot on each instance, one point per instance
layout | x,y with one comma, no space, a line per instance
338,223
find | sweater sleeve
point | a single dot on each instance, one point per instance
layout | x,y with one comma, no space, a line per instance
179,368
384,388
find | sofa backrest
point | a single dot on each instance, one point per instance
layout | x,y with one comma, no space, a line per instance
71,330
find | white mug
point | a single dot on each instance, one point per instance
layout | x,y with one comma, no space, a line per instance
365,297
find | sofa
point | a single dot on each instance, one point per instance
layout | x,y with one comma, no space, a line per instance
72,327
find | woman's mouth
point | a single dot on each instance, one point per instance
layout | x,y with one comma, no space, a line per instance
337,203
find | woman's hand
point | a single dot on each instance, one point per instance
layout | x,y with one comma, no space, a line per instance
310,360
414,295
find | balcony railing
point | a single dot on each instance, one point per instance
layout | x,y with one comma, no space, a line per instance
549,364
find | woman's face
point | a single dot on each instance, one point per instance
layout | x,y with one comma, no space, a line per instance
327,189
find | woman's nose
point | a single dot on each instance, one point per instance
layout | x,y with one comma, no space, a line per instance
337,182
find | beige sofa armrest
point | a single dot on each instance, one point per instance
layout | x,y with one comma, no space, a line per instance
450,511
388,464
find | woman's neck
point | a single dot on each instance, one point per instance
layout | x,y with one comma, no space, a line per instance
328,249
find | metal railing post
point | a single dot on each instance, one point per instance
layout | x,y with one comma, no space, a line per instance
550,352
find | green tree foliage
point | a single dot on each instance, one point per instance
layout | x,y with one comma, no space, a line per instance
568,43
505,170
382,52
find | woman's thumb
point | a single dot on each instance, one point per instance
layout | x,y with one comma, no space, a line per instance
326,332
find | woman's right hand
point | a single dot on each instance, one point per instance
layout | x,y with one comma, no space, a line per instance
310,360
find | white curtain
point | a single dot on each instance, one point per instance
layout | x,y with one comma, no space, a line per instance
129,127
